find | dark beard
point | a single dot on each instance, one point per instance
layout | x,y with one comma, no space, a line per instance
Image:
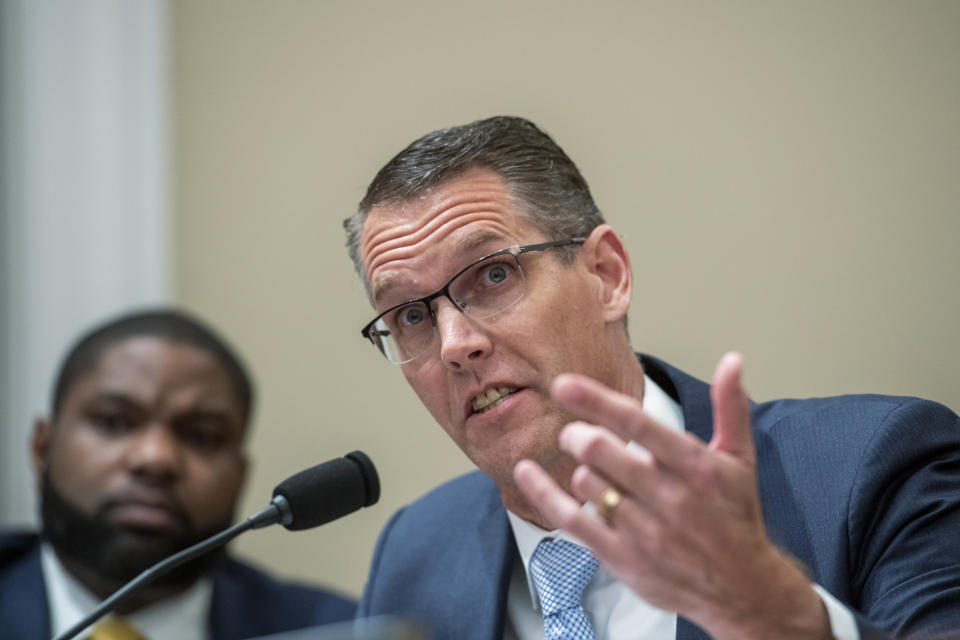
116,555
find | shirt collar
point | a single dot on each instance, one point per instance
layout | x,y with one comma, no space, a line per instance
182,616
656,404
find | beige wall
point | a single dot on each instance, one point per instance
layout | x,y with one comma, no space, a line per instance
786,176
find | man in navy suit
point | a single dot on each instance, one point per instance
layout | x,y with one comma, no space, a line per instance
503,296
142,457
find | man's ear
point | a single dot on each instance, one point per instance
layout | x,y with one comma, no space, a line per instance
40,442
606,258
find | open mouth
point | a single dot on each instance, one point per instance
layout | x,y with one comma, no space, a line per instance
491,398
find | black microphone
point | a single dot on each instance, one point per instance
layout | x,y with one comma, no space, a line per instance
349,483
307,499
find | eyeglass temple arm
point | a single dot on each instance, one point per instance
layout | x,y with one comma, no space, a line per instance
549,245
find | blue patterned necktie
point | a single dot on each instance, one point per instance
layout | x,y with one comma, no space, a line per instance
562,570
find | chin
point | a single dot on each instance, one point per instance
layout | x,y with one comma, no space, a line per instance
500,466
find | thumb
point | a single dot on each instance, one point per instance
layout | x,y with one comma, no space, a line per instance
731,410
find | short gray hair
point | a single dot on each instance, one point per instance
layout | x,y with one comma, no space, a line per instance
544,180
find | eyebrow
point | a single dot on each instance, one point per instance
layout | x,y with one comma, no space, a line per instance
465,245
129,402
469,244
118,397
222,419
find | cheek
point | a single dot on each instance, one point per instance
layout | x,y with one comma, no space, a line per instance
574,316
212,489
428,381
83,470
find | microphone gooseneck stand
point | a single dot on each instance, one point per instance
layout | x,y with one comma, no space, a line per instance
307,499
278,511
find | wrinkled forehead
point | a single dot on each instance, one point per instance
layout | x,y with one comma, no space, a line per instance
456,220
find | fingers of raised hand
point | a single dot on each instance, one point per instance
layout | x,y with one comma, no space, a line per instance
620,548
596,403
602,449
589,486
731,409
650,496
639,471
559,508
648,554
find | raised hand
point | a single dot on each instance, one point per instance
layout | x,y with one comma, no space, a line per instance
687,533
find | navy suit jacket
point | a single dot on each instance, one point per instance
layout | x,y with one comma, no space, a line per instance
246,602
863,490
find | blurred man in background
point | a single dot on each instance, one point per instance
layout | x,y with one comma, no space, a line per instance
142,456
503,296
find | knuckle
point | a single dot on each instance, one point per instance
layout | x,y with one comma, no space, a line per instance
673,498
657,541
637,475
677,506
636,424
593,447
701,473
580,481
567,519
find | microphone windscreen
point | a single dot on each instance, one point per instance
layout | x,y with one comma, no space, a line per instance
330,490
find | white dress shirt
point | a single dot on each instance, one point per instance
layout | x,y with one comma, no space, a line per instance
182,617
614,610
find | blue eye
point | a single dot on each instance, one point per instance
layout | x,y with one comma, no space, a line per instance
411,316
496,273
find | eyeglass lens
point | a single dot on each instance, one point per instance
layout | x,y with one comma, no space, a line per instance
485,288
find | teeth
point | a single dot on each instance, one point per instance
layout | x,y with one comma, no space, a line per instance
490,399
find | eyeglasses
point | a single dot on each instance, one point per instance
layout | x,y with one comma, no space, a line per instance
486,287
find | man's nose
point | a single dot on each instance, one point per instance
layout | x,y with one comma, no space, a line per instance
462,340
155,451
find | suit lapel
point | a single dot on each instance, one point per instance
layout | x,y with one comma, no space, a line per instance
479,597
692,394
24,614
694,398
231,614
686,630
226,621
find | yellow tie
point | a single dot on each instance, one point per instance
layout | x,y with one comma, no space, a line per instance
114,629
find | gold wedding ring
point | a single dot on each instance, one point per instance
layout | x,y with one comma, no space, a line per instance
608,501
